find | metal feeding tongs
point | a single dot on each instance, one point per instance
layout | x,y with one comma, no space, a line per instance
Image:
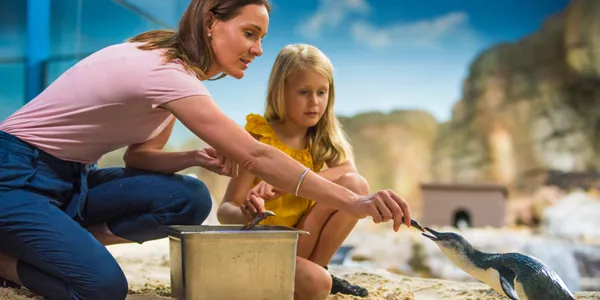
258,219
415,224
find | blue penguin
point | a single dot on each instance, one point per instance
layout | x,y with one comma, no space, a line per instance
515,275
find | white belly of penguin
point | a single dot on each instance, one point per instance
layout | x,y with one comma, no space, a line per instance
519,290
489,276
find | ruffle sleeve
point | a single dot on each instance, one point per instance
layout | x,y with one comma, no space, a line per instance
258,125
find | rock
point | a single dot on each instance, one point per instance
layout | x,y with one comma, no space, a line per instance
393,150
518,118
408,253
385,285
588,260
574,217
582,37
529,110
527,118
559,256
544,197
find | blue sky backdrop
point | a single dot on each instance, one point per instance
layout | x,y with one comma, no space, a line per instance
388,54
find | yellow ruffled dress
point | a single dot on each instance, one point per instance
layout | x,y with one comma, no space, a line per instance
288,209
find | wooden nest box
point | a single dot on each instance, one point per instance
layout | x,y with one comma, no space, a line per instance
464,205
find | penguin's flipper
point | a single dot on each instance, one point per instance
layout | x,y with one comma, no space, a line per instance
507,279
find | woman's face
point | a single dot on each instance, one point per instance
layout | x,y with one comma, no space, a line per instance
238,41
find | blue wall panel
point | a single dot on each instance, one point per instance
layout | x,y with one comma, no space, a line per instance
75,31
12,87
12,55
12,29
37,50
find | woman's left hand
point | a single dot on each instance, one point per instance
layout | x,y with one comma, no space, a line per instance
265,191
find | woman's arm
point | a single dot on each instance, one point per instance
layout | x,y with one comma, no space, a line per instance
334,172
203,117
237,190
149,155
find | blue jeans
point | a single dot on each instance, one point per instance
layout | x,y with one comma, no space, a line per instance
45,203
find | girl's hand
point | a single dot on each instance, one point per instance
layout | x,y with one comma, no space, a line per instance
252,207
265,191
211,160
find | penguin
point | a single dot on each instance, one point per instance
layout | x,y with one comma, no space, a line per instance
514,275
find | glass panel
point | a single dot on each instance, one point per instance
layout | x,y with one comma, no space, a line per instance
12,49
81,27
12,88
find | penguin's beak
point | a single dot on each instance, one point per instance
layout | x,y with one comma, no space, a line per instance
433,236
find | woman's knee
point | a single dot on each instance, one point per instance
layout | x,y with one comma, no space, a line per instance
354,182
197,201
106,282
313,282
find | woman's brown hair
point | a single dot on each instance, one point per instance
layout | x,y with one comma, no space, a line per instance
190,43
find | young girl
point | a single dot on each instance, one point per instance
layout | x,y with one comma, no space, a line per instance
300,121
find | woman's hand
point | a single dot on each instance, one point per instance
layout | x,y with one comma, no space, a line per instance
382,206
252,207
211,160
207,121
265,191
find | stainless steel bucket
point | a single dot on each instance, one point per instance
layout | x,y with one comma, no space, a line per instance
222,262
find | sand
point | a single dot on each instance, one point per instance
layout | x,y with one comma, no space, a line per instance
146,267
383,286
147,270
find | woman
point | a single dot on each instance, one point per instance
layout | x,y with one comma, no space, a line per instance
57,210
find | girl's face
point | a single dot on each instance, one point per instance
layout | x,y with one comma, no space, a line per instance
306,97
238,41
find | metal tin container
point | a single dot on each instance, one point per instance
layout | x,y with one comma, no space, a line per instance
221,262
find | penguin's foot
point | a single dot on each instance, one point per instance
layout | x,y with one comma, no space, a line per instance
344,287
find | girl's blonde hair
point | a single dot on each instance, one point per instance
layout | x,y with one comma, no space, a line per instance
327,140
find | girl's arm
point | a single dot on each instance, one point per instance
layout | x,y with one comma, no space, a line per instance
150,156
229,211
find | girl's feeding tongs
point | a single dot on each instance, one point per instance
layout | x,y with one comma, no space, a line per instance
257,219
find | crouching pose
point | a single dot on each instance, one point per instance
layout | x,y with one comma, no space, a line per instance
300,121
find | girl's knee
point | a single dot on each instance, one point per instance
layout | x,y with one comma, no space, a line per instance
313,282
354,182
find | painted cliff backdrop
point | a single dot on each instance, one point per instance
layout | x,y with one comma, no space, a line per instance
428,91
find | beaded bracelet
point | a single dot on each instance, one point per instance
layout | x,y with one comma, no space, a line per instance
300,181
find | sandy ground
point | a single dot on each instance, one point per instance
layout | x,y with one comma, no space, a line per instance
383,285
147,270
